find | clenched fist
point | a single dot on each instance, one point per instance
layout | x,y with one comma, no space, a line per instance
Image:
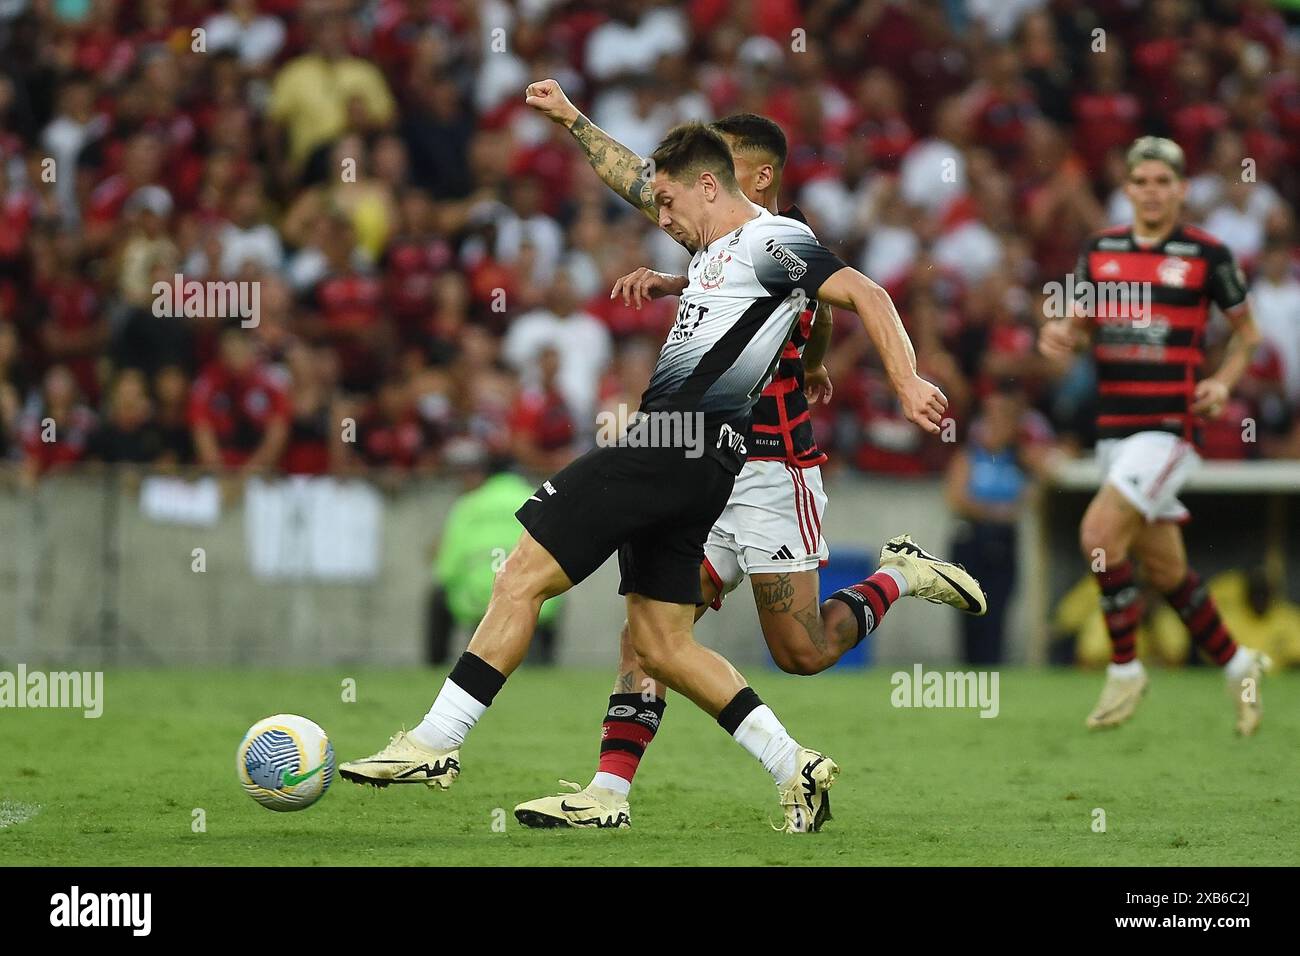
1210,397
923,404
1059,339
548,98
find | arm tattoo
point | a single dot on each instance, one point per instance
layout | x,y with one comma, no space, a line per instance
618,167
624,683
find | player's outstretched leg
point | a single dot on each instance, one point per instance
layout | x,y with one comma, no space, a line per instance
430,753
632,718
806,637
661,635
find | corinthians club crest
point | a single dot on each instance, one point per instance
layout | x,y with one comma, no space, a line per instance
712,276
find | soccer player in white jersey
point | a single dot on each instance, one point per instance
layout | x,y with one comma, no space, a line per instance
655,505
771,527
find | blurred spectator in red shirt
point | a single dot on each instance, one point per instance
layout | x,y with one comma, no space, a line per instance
1106,115
542,426
239,413
314,444
413,263
56,425
350,311
1002,105
74,329
11,390
392,434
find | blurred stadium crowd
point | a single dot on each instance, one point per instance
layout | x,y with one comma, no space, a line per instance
434,259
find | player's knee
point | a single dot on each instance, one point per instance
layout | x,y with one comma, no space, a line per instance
1163,572
655,663
803,662
654,654
795,654
1098,542
522,579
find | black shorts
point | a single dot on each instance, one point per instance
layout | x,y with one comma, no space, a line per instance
655,506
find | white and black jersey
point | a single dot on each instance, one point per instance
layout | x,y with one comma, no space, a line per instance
655,503
745,292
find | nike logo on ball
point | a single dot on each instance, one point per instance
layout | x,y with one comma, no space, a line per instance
293,779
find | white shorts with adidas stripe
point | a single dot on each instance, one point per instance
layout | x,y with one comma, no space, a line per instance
772,523
1149,469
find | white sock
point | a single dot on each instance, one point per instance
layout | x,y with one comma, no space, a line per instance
763,736
449,719
1238,664
611,781
903,589
1130,669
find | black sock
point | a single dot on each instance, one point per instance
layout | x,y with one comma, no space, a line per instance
477,678
741,706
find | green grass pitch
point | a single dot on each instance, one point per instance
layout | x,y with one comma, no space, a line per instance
918,787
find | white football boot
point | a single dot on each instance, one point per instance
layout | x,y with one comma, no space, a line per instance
404,761
589,806
933,579
1119,698
1245,692
804,798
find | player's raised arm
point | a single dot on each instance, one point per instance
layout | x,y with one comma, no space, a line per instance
923,403
618,167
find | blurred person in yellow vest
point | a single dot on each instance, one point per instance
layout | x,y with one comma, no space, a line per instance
1258,615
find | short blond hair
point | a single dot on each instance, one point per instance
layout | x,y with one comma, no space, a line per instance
1157,148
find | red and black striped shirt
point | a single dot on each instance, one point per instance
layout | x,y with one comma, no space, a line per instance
782,424
1147,363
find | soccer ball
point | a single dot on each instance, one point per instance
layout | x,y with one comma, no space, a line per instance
285,762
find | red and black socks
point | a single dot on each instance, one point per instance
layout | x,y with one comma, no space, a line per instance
870,599
1121,604
1192,601
630,724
